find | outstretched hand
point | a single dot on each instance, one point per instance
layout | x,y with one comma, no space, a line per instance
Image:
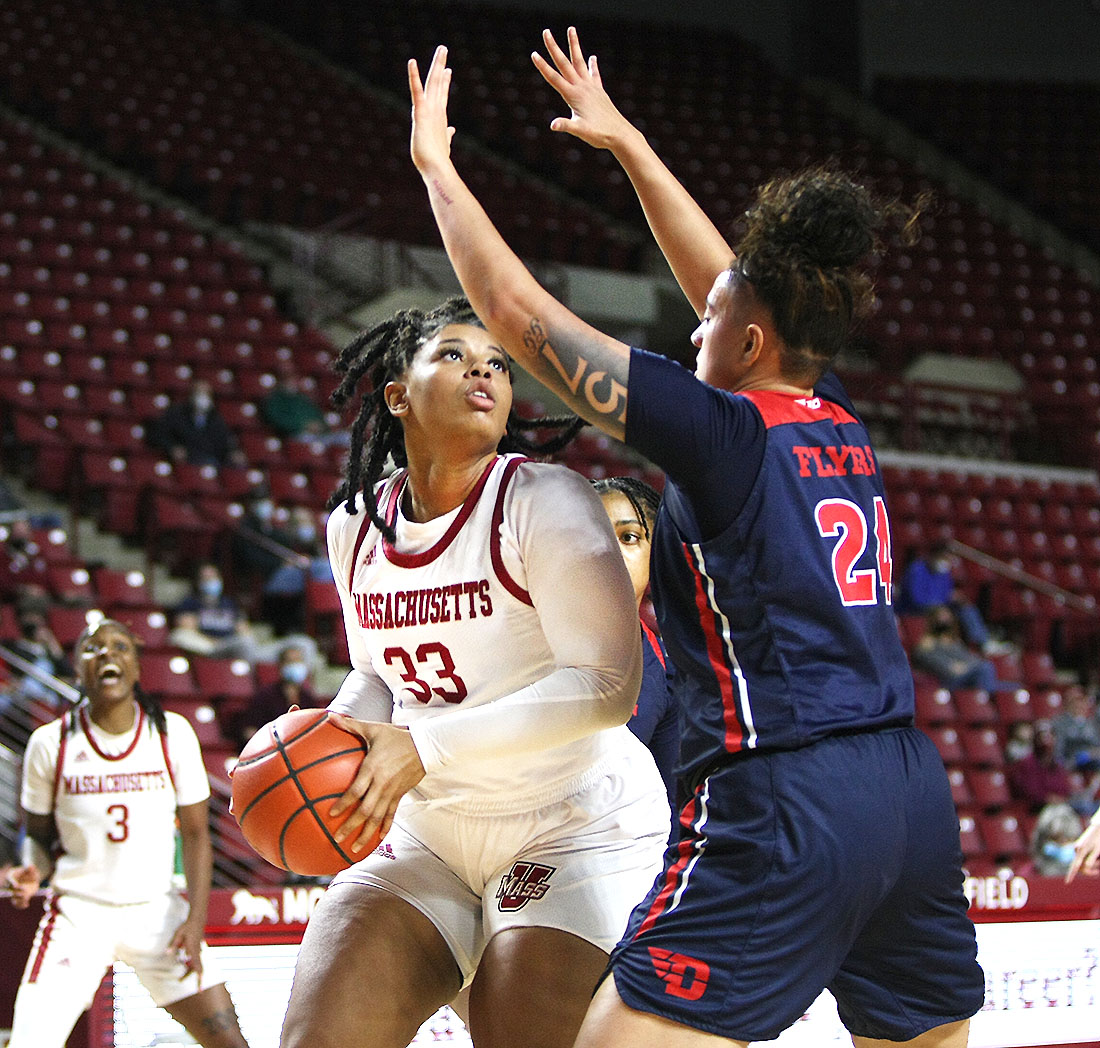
1086,857
431,136
390,769
594,118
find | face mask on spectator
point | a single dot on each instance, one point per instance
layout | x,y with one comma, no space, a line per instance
1062,853
211,588
202,401
294,672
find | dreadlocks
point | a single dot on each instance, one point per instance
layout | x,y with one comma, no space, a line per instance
638,493
381,355
149,703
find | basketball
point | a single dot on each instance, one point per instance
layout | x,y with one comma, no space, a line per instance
286,779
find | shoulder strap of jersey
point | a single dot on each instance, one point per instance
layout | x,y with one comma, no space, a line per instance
64,742
502,574
164,749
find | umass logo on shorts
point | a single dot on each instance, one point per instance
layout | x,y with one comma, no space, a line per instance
683,976
523,882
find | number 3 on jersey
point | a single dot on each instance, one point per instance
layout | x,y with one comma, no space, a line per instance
844,520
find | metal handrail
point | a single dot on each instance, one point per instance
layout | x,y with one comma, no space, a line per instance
63,688
1010,571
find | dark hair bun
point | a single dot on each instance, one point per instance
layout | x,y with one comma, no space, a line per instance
818,216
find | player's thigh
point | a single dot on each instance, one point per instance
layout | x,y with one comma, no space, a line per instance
611,1024
529,979
209,1017
950,1035
72,950
371,969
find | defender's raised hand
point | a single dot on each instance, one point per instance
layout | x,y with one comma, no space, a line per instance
431,136
594,118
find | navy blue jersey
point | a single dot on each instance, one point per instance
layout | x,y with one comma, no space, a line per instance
771,565
656,717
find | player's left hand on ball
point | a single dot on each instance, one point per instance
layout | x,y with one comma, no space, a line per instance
390,769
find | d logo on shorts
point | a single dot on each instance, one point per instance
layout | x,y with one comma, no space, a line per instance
684,976
524,882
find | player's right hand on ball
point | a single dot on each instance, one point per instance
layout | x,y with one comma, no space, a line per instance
390,769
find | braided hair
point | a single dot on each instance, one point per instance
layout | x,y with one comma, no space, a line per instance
643,498
804,250
383,354
149,703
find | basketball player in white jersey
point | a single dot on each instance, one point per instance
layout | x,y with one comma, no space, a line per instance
102,789
495,661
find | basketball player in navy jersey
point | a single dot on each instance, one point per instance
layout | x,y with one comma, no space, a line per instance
631,506
819,846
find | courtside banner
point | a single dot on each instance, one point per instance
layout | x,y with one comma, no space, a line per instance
1042,975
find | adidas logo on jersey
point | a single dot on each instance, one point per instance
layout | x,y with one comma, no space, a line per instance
683,976
385,851
81,756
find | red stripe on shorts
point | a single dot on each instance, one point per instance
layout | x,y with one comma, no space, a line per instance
685,849
47,932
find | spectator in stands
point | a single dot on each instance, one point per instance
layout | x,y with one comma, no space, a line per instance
210,622
1077,730
290,411
11,506
1052,841
258,541
943,653
285,589
38,646
1039,778
1020,741
928,582
22,564
192,431
291,689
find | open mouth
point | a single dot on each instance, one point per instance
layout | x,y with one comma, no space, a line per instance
481,397
109,674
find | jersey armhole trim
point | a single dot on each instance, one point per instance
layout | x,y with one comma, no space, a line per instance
502,574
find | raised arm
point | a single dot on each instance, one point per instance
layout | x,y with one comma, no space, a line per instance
696,251
583,366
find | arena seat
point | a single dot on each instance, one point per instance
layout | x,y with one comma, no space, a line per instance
169,676
1003,836
222,679
988,787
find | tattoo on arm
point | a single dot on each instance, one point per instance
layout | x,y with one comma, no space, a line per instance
442,195
583,384
224,1019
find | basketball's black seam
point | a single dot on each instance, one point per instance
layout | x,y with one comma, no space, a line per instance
281,750
309,804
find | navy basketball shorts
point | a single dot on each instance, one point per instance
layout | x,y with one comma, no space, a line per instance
834,866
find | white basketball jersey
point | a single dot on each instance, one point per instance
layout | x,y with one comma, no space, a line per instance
448,623
114,799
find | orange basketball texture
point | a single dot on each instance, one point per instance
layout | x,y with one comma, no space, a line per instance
286,780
